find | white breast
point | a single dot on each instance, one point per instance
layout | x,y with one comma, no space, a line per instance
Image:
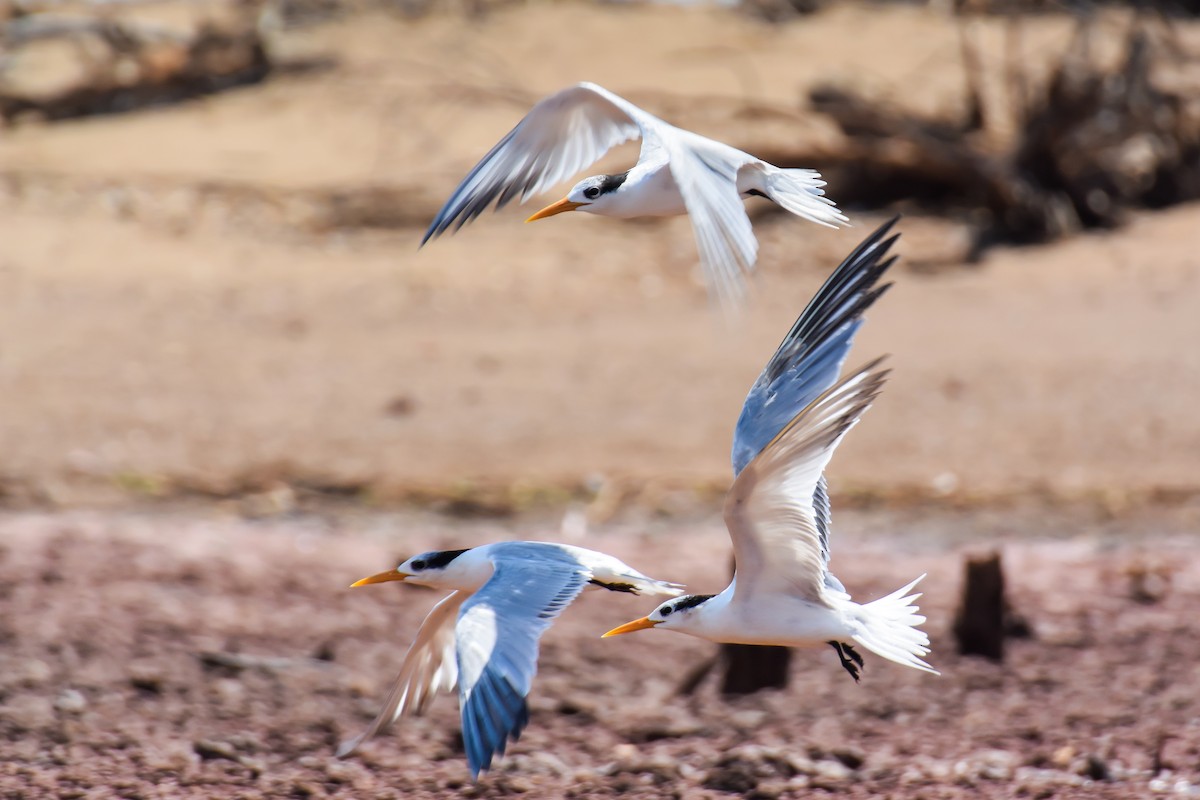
649,191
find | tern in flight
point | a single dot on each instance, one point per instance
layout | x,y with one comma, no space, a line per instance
484,634
678,172
777,510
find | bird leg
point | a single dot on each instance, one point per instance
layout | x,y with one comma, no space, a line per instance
849,657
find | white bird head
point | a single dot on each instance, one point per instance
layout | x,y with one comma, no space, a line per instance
594,195
438,569
681,614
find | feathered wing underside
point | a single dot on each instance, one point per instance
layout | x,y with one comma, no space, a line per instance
777,541
497,634
429,667
809,359
706,174
561,135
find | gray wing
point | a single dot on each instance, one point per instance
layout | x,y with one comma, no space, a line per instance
429,667
823,520
561,135
497,634
706,173
770,507
809,358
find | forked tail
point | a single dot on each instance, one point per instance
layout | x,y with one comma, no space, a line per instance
889,629
800,192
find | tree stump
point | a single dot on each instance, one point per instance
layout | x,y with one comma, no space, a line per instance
979,623
750,668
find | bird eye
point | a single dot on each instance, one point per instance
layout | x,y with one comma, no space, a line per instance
592,192
667,610
418,564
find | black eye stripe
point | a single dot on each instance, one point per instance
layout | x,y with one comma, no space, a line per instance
691,601
437,560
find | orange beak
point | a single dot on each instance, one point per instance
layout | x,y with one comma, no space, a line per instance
382,577
556,208
630,627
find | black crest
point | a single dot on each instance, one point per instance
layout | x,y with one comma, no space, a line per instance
441,559
691,601
613,182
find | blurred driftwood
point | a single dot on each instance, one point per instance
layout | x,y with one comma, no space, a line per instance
1092,143
130,64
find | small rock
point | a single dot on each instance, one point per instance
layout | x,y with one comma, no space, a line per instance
1091,766
748,718
146,679
830,775
34,673
325,652
230,692
307,789
209,750
851,757
662,725
996,765
70,701
1063,756
171,756
735,776
577,707
768,790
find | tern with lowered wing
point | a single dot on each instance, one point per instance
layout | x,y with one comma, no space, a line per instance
777,510
484,635
678,172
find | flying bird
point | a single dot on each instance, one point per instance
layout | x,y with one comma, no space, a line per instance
678,172
778,511
484,635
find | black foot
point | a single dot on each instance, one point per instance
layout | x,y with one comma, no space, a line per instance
851,660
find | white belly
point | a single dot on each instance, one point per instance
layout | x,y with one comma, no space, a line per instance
652,193
778,620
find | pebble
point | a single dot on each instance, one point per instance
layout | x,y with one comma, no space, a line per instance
210,749
34,673
70,701
733,776
830,775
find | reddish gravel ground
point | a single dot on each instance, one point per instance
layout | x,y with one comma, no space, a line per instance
180,319
191,653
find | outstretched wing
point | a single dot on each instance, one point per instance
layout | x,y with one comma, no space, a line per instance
810,357
497,634
429,667
706,173
561,135
770,508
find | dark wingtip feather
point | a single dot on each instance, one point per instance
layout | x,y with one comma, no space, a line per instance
495,713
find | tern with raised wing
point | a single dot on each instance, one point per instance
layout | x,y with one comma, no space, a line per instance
677,172
484,635
778,511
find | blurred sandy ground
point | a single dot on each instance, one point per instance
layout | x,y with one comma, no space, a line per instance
175,315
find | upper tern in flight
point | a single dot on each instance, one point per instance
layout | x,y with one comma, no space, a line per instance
678,172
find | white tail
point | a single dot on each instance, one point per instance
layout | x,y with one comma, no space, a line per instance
800,192
889,629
